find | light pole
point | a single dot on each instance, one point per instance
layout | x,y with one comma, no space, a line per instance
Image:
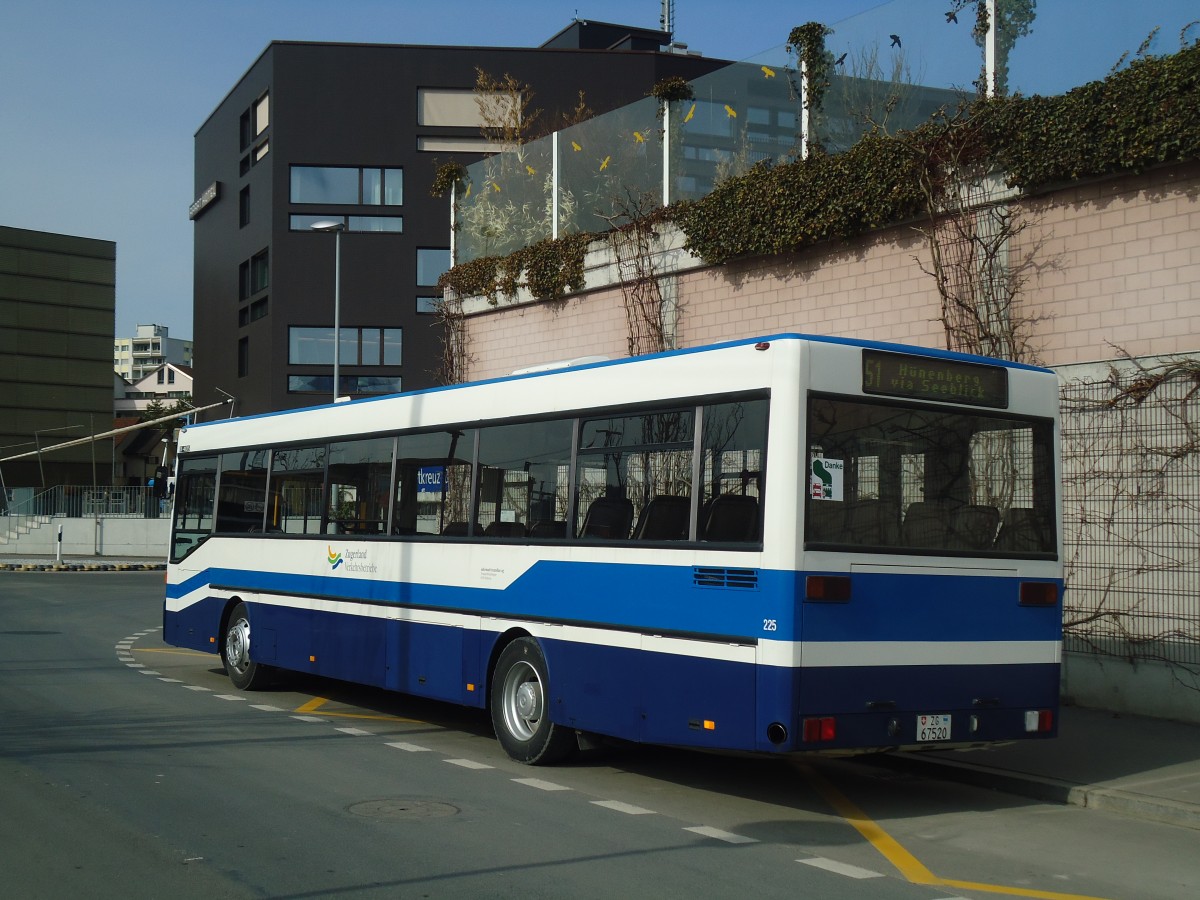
337,228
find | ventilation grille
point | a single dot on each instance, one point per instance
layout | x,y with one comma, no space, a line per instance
725,578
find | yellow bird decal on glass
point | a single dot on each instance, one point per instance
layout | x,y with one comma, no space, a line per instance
730,111
531,170
495,187
575,146
768,72
691,112
637,137
468,193
604,164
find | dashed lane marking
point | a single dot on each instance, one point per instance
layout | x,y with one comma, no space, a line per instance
628,808
718,834
468,764
541,785
409,748
357,732
832,865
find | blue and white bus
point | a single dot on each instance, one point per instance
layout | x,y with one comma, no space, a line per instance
783,544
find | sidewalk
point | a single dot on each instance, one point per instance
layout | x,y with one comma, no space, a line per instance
1148,768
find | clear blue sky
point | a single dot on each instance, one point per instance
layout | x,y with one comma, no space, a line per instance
100,99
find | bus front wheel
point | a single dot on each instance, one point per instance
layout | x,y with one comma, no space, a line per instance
519,698
245,673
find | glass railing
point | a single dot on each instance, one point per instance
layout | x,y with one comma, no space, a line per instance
890,69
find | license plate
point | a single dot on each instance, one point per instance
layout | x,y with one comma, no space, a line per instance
933,728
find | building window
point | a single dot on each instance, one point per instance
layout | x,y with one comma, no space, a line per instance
162,377
258,309
428,306
261,151
432,263
350,384
243,357
361,224
457,145
359,346
459,108
262,114
348,185
260,271
244,207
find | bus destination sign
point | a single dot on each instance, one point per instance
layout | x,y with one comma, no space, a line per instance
923,378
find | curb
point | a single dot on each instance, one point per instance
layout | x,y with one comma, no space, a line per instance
1052,790
83,567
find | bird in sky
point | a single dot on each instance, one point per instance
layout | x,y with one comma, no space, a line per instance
895,40
841,59
952,16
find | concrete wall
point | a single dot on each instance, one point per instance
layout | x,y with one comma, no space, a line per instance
1137,688
95,537
1118,265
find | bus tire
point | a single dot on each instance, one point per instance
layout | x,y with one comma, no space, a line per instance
245,673
519,697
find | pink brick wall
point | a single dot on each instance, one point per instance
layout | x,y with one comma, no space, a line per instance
1120,267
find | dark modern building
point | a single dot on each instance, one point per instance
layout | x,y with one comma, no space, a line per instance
353,134
57,301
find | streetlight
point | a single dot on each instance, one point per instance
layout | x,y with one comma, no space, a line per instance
337,228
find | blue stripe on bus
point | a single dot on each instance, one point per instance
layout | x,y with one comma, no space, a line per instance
642,695
664,598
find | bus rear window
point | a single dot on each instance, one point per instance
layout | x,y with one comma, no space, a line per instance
904,479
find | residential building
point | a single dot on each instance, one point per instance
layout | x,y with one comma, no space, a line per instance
353,134
167,384
151,347
57,301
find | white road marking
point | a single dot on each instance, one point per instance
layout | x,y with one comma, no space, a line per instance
541,785
230,697
726,836
196,687
265,707
831,865
627,808
409,748
468,764
357,732
309,719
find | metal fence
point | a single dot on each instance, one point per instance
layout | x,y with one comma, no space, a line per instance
81,501
1131,504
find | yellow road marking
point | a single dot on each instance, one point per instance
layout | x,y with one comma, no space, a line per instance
908,865
313,707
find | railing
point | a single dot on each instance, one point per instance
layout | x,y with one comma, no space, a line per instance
82,501
892,67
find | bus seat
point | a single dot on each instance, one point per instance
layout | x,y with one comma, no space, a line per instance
548,528
975,526
825,521
872,523
926,524
730,517
665,518
1022,531
505,530
608,517
459,529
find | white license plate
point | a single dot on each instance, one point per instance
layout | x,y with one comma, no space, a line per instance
933,728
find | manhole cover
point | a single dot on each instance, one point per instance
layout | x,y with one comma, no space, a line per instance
403,809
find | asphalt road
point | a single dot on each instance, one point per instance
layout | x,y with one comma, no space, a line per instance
130,769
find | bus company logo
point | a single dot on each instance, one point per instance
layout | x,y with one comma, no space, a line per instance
356,561
335,559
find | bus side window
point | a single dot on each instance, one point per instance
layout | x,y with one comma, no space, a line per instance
432,491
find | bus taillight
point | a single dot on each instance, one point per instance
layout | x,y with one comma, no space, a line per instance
822,729
827,588
1038,593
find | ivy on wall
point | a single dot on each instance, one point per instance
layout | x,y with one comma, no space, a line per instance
1141,116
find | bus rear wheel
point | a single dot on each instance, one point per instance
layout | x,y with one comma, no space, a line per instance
245,673
519,697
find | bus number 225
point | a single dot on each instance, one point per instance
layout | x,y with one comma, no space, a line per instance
770,625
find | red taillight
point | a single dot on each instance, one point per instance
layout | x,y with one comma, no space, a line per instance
1038,593
1039,720
822,729
827,588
